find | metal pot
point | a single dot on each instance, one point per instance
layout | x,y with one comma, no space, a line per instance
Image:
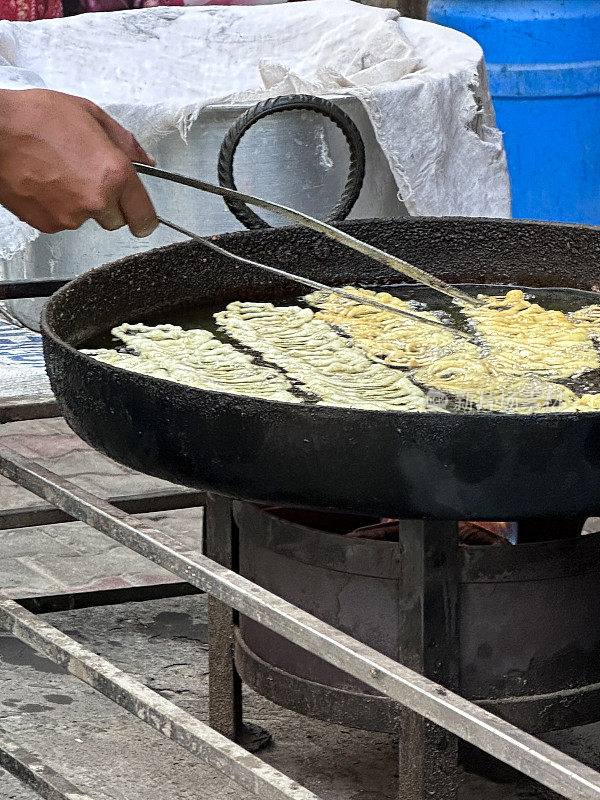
298,158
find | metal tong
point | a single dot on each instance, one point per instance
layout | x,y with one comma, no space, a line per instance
307,221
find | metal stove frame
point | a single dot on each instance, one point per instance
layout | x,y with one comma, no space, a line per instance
432,715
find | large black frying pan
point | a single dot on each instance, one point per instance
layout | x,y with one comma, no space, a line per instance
447,466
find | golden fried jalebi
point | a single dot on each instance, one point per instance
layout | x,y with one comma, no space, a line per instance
326,363
387,337
587,402
477,387
524,338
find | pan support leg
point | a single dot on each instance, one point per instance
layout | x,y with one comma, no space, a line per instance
429,643
428,596
225,687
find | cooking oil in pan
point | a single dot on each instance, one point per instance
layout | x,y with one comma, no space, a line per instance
419,297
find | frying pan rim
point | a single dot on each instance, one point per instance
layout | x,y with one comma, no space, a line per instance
49,332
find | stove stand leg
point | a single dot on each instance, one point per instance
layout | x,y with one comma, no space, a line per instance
428,595
225,686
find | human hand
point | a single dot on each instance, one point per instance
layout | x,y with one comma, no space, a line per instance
63,160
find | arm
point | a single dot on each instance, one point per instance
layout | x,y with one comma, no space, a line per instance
63,160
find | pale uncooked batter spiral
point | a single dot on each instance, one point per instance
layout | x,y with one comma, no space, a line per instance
194,358
328,364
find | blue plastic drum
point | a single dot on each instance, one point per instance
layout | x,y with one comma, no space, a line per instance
543,60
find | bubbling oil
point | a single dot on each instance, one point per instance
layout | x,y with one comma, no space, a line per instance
420,298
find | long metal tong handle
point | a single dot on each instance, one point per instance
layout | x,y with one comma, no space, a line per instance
313,284
307,221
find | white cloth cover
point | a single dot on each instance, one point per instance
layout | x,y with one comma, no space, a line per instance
424,87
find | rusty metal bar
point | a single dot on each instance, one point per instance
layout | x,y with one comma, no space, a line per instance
429,642
142,503
506,742
23,408
44,287
28,768
225,706
161,714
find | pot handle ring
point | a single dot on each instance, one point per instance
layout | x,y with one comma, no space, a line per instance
293,102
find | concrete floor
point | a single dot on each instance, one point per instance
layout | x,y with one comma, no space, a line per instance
71,557
113,756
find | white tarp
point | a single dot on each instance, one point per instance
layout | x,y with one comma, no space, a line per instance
423,87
